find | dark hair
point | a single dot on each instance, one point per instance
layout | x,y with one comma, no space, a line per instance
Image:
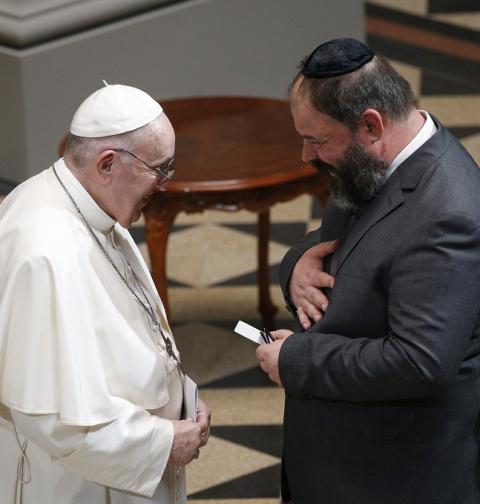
376,85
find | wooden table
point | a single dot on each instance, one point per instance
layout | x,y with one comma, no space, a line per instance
232,153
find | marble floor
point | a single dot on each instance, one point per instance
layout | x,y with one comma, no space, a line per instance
435,44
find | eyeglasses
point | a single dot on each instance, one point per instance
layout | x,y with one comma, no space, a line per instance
166,173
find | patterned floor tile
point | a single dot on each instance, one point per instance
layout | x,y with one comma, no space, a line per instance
202,255
211,353
138,233
419,7
453,110
449,6
297,210
465,19
215,216
223,461
313,225
261,483
251,377
462,133
145,254
245,406
286,233
412,73
221,303
263,438
139,224
472,144
437,83
251,278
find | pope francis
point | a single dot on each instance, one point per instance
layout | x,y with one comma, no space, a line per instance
91,386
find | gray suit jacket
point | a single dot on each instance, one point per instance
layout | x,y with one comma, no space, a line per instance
382,394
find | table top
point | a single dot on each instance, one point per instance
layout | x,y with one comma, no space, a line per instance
233,143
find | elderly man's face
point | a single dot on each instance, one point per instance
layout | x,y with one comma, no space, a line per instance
134,182
329,145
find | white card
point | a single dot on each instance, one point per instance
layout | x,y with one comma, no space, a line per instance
249,332
190,398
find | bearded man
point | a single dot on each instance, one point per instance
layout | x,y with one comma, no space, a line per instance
382,384
91,386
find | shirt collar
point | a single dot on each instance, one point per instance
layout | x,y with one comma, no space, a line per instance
426,132
93,214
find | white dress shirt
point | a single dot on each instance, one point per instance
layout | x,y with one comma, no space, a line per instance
426,132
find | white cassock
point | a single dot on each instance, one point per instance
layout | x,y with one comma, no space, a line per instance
83,375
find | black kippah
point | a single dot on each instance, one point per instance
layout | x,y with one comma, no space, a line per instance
336,57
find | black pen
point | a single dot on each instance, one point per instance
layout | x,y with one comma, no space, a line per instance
267,336
263,334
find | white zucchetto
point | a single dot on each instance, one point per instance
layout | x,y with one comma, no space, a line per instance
113,110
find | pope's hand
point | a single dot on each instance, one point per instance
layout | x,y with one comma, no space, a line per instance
203,419
267,354
307,280
187,440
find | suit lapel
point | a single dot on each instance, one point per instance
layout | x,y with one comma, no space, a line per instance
404,179
335,226
388,199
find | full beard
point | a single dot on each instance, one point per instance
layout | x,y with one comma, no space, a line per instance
356,178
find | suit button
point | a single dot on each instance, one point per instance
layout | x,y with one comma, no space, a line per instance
310,396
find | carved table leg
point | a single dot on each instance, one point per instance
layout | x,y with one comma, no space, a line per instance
265,305
158,226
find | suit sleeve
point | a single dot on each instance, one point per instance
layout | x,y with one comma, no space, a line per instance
433,308
129,453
